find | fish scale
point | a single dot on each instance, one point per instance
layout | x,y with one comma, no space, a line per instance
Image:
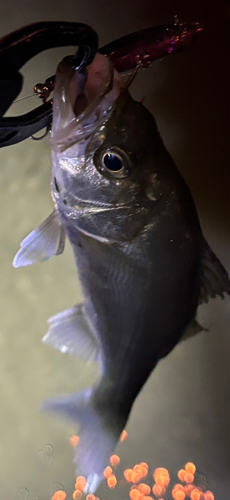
119,296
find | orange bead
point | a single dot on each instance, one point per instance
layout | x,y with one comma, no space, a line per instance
190,467
181,475
123,435
189,478
115,460
143,470
144,488
79,485
135,494
196,494
178,494
77,494
112,481
158,490
160,470
74,440
161,476
144,464
90,497
209,495
81,478
128,475
59,495
81,482
162,480
136,476
166,482
188,488
136,470
108,472
146,498
178,487
163,490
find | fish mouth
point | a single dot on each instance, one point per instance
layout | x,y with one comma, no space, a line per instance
96,209
88,206
82,100
94,204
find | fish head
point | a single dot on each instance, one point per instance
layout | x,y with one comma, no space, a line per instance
104,143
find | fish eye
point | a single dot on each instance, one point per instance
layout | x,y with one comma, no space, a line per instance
112,163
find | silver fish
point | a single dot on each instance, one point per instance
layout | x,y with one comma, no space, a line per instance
142,260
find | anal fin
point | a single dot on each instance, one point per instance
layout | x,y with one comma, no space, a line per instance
71,332
45,241
192,329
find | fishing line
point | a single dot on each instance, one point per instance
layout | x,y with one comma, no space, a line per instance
23,98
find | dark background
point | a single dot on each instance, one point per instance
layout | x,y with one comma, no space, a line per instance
183,413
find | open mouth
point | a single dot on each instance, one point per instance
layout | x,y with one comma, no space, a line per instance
96,83
82,100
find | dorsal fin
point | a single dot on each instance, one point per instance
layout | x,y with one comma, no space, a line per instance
214,277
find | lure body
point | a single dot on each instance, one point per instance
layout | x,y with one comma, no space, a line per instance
145,46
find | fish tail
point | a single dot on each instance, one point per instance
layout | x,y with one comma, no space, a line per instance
98,434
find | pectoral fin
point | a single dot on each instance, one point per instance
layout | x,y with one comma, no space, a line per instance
71,332
45,241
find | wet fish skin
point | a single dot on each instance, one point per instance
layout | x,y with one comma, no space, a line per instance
141,257
137,288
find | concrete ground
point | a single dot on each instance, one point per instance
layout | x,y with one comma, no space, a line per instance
183,412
